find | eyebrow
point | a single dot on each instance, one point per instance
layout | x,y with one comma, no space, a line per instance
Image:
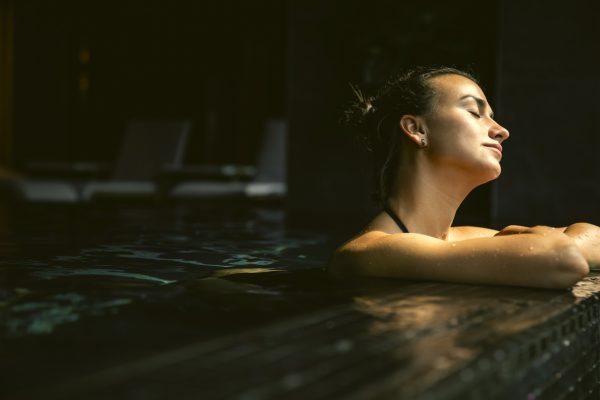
481,103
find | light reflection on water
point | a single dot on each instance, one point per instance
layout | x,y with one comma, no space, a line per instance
58,273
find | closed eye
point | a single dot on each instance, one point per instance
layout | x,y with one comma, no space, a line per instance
475,114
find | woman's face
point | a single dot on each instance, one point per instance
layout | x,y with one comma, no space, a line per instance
461,131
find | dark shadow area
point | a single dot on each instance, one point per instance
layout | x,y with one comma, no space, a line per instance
84,70
214,281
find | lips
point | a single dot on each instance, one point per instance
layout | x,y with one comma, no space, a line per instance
496,146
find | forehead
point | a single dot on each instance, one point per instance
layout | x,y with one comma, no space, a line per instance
452,87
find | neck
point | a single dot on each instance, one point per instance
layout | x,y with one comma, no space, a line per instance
426,198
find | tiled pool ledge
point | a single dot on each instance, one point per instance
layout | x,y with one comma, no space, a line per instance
140,305
415,341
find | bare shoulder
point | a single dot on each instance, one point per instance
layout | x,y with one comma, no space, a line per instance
458,233
362,240
382,225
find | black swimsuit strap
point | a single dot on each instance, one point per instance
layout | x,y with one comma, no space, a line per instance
396,219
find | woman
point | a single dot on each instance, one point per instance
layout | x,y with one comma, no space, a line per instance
435,139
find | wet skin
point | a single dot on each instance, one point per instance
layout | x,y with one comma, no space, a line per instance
448,152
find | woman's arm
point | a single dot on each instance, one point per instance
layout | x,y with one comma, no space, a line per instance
587,238
534,259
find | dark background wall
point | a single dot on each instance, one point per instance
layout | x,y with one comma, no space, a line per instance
363,42
83,69
548,85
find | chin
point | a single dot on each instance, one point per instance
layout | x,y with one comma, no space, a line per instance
495,173
488,172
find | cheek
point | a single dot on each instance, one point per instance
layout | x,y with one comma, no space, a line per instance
454,141
455,136
463,149
457,143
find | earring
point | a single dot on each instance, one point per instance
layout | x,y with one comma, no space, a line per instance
423,143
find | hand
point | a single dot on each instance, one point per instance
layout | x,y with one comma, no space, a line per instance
587,237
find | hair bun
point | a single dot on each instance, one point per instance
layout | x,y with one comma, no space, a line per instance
363,102
359,112
375,119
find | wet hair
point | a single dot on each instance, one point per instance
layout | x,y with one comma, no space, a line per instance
376,118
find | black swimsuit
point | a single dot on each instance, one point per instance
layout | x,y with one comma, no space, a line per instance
396,219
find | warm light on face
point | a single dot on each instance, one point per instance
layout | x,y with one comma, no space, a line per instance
462,134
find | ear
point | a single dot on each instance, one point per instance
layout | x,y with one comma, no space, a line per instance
413,127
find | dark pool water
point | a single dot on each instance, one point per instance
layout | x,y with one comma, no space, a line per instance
82,287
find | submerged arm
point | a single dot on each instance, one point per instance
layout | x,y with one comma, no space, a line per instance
548,260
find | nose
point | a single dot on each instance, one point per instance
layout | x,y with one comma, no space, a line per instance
498,132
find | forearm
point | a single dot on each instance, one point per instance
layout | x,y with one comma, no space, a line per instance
587,238
543,260
550,260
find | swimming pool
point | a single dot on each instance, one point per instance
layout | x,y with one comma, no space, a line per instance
85,285
232,302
